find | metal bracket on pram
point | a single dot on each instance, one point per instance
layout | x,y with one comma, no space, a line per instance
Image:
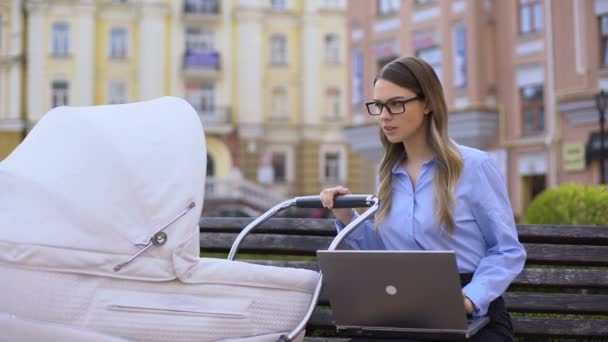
158,238
346,201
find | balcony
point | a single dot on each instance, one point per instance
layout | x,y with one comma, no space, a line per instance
202,11
202,64
216,121
474,128
223,191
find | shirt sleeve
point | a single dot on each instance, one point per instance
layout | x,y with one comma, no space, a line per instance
363,237
505,255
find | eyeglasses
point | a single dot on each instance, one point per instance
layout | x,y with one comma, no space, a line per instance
396,106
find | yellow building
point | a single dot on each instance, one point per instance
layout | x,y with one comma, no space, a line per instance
118,51
267,78
290,95
90,52
11,68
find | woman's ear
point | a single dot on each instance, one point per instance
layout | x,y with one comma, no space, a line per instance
427,108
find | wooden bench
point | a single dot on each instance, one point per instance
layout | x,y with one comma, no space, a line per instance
562,293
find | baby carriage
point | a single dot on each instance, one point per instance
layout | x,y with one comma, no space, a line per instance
99,237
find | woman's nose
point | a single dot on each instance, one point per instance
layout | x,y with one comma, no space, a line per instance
384,114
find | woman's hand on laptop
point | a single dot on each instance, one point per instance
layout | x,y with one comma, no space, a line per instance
345,215
469,307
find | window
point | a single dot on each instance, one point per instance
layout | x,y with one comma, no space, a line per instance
460,56
333,103
202,6
118,43
604,40
1,31
432,55
332,4
386,7
279,103
61,39
279,166
202,97
117,92
278,49
333,164
332,167
278,5
210,166
533,109
200,39
533,186
357,74
59,93
530,16
332,48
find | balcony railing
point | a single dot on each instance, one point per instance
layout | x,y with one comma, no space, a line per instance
240,189
202,59
202,63
218,115
205,7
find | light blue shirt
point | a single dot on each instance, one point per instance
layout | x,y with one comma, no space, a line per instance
484,240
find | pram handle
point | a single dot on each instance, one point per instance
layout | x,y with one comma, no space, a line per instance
353,201
341,201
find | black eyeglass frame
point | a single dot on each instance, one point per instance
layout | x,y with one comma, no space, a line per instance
383,105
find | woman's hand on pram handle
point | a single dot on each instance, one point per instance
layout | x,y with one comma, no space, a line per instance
342,201
330,195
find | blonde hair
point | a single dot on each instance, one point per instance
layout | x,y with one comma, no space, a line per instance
418,76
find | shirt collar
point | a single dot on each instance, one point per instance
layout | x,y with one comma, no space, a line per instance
397,168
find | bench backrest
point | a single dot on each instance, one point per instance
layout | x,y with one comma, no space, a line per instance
562,292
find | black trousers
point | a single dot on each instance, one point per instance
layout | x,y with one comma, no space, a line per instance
499,329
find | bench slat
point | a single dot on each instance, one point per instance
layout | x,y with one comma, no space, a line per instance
308,245
561,303
267,243
550,277
566,254
560,327
309,226
290,226
564,234
563,277
523,326
557,303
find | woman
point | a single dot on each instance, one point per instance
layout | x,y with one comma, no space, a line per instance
436,195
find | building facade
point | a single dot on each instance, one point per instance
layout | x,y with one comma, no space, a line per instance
201,63
290,127
86,52
267,78
11,74
511,87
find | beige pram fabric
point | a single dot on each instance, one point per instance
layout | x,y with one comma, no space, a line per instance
99,210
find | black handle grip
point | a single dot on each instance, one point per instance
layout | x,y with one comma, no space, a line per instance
340,201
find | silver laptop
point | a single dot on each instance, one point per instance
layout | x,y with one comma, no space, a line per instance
414,294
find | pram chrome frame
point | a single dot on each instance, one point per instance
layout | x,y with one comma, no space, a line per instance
347,201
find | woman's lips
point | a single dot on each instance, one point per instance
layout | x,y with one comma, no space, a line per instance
389,130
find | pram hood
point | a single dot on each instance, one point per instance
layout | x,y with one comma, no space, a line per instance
89,187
